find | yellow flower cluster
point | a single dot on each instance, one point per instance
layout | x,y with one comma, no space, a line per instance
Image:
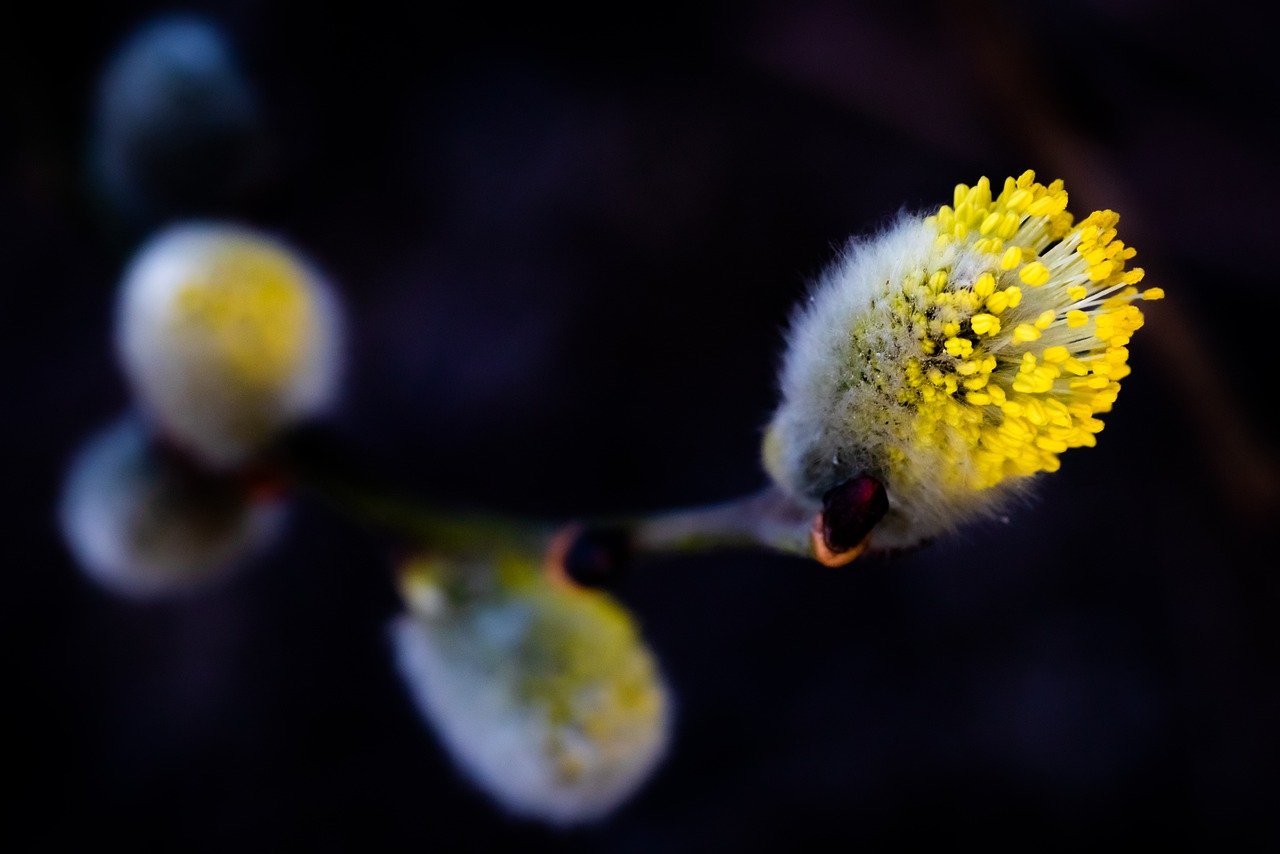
228,337
248,306
1016,353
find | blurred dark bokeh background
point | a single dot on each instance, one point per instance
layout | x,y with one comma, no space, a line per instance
568,247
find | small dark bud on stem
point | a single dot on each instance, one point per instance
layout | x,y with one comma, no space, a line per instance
594,556
849,512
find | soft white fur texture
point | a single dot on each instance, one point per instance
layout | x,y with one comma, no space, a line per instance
464,673
138,525
831,423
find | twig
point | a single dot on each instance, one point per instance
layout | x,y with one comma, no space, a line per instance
593,553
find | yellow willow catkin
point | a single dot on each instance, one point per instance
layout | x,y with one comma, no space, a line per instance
958,354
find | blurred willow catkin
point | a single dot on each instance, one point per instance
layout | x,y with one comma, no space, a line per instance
143,522
542,693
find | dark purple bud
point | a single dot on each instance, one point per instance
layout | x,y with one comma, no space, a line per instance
850,511
598,557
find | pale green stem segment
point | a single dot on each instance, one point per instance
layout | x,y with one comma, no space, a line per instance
765,520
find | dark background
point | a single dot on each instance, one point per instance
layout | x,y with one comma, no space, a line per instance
568,246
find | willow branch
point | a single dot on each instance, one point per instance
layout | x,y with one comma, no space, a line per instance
593,552
767,519
331,470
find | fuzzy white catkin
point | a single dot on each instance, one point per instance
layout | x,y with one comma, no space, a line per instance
227,337
143,525
529,707
176,125
830,424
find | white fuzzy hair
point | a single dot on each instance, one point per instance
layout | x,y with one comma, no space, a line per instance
832,423
464,675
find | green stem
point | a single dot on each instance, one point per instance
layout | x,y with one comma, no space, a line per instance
765,520
332,472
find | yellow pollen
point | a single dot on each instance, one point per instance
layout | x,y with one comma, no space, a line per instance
1034,274
1056,355
251,307
979,406
1025,332
1075,366
985,324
